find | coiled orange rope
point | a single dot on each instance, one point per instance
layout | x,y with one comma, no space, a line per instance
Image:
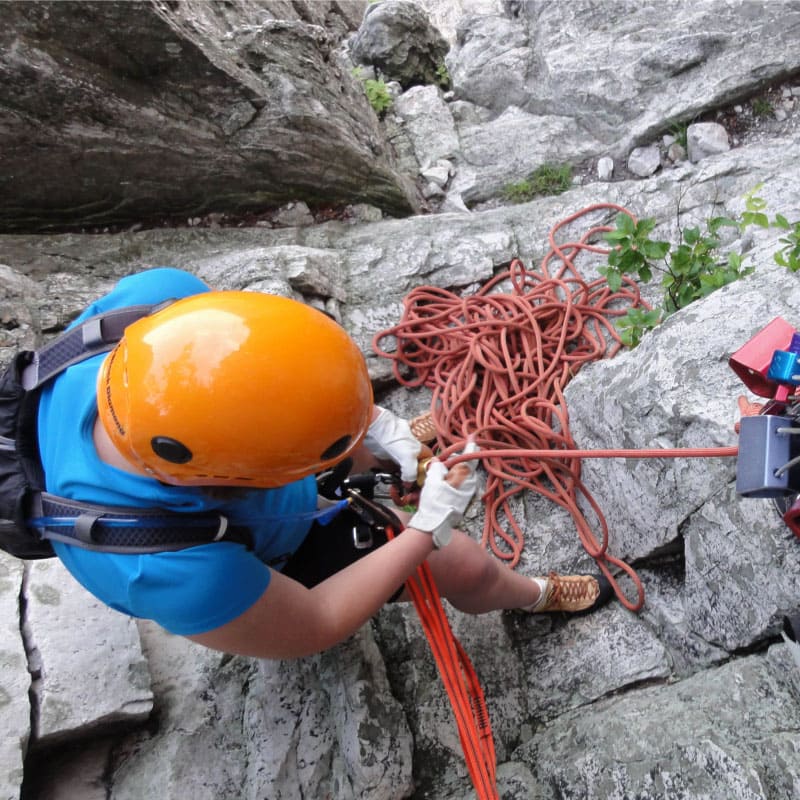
498,361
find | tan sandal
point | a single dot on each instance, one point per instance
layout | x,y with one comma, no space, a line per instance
570,593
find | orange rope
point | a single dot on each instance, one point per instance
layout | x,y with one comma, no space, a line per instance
498,361
460,681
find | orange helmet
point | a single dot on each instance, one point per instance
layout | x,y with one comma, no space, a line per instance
237,389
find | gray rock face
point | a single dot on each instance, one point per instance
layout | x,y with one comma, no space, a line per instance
14,680
641,68
77,694
428,123
284,711
99,125
397,38
653,762
706,139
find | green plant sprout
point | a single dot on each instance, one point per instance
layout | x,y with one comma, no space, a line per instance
376,90
761,107
679,131
789,255
378,95
547,179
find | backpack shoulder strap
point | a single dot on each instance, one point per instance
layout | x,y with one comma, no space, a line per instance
116,529
33,368
95,335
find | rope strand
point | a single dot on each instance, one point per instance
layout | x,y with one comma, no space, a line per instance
460,682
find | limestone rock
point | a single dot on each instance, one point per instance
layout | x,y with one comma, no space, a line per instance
701,737
99,126
676,152
605,168
596,68
428,123
263,728
397,38
77,693
644,161
706,139
293,214
14,680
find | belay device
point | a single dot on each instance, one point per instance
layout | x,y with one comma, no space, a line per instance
768,464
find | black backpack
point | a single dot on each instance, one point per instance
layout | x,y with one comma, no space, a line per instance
22,494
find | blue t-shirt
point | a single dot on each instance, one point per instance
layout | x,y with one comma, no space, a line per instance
186,591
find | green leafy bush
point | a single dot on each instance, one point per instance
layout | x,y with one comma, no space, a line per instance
692,269
635,322
680,132
376,90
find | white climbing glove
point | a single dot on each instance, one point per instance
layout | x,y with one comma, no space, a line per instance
442,505
390,437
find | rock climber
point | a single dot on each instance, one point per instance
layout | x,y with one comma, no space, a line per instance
234,401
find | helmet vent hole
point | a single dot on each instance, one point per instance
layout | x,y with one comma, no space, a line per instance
171,450
337,448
